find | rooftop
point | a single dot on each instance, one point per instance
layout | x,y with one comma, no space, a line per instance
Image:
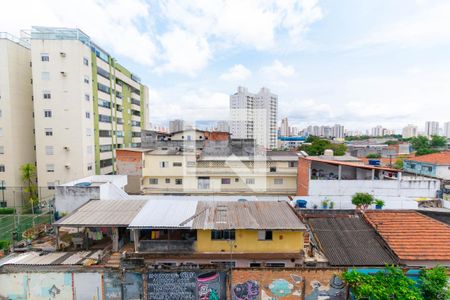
257,215
347,240
411,235
103,213
350,164
441,158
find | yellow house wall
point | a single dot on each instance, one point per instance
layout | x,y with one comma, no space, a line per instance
247,242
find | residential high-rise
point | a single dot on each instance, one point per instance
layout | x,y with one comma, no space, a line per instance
16,112
409,131
86,105
176,125
223,126
377,131
447,130
294,131
431,128
337,131
284,129
254,116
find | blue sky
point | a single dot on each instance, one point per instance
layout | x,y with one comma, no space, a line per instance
358,63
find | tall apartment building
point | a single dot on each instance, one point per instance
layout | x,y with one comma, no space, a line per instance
377,130
447,130
431,128
223,126
409,131
254,116
16,111
176,125
337,131
86,105
284,129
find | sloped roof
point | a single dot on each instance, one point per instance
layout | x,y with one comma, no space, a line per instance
350,164
441,158
258,215
103,213
162,213
411,235
347,240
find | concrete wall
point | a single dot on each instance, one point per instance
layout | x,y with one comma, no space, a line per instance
393,188
129,162
69,198
315,284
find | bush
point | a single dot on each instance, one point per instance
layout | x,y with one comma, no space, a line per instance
4,244
433,283
6,210
362,200
373,155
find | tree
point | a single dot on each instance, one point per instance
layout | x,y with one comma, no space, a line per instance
373,155
398,164
433,283
438,141
28,174
362,200
317,146
420,142
388,284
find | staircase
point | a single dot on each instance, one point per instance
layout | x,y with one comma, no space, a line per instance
113,261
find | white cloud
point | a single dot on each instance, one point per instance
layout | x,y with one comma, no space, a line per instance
278,69
236,73
184,52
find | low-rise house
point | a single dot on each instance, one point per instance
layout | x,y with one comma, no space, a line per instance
434,165
320,179
416,239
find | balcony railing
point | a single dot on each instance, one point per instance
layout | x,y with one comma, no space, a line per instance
163,246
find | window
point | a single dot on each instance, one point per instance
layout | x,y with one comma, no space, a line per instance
47,95
89,149
103,88
264,235
45,75
2,150
86,79
153,181
88,131
106,163
47,113
163,164
88,115
85,61
278,181
50,168
226,181
49,150
2,168
292,164
102,72
177,164
275,265
87,97
2,184
89,166
106,148
255,265
45,57
273,169
178,181
104,133
250,181
223,234
0,113
48,131
236,180
104,118
167,180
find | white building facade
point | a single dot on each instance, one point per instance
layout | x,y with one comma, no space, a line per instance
409,131
431,128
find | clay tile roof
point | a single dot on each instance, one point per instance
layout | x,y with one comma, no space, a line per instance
441,158
411,235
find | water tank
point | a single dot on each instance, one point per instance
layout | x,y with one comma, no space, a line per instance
374,162
328,152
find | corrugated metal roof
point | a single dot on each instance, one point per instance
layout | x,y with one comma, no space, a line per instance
53,258
104,213
165,214
349,241
246,215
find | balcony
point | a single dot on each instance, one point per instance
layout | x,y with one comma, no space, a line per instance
166,246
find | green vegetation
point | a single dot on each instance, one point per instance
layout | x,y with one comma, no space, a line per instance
373,155
6,210
28,174
4,244
317,146
379,202
392,283
398,164
433,283
21,223
362,200
384,285
423,145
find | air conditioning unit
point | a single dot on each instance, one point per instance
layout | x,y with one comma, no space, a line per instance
63,73
67,148
67,166
63,54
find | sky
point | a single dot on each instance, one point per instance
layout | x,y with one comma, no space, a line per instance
357,63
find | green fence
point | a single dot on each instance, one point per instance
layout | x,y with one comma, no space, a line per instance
19,223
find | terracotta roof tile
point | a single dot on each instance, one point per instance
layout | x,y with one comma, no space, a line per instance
411,235
441,158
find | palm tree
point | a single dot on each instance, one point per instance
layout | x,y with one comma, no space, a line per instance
29,179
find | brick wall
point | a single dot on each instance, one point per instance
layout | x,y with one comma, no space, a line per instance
303,176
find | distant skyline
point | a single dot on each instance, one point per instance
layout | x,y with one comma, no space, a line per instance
356,63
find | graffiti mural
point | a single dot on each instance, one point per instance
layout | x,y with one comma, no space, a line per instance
112,284
248,290
188,285
284,284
